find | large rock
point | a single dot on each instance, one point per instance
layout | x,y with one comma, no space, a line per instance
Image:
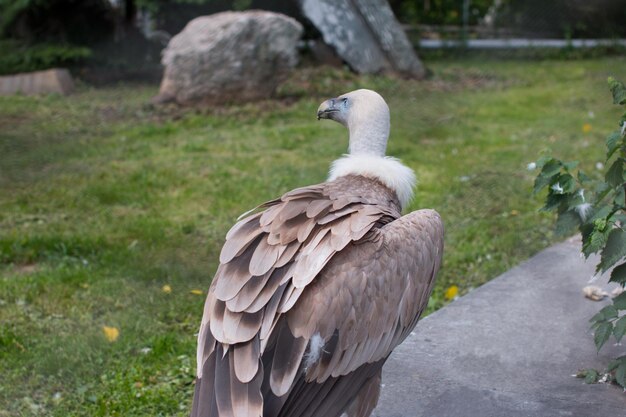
366,34
229,57
56,80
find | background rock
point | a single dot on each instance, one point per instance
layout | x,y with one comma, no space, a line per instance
229,57
366,34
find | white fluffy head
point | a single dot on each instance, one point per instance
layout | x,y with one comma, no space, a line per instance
366,115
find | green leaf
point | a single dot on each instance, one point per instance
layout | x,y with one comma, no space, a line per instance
583,178
613,365
620,301
609,312
553,201
614,250
551,167
618,90
591,376
615,175
595,236
541,181
570,165
618,199
619,328
613,143
618,274
597,318
620,374
566,223
568,183
602,334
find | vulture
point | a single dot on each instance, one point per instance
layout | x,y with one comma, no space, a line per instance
315,289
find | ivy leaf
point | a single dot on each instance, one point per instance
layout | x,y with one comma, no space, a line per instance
614,250
615,175
618,274
602,334
613,142
620,301
566,222
619,329
618,90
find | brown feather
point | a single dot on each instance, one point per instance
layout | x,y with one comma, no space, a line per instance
241,327
246,359
222,385
240,239
249,292
246,398
264,257
231,277
286,362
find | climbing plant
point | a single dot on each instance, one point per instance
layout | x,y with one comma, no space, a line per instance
598,209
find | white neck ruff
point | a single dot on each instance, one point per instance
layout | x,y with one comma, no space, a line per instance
388,170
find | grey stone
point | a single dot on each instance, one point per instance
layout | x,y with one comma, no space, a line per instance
55,80
229,57
366,34
508,349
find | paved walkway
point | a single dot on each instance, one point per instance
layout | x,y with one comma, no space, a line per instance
507,349
519,43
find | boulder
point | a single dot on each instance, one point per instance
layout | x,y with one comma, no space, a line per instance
365,34
229,57
56,80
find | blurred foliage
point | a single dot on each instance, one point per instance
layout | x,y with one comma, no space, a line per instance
438,12
563,18
18,57
155,5
80,22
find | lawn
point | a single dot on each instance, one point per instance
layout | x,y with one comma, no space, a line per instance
112,213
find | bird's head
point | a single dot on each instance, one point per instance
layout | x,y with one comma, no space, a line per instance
366,115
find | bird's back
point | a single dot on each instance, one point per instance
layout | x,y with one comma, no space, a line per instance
312,294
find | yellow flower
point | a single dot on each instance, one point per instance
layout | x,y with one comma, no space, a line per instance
514,212
586,128
111,333
451,292
166,289
196,292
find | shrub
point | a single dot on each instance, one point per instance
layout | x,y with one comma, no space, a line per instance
16,57
598,209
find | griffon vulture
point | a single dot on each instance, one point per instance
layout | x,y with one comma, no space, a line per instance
316,288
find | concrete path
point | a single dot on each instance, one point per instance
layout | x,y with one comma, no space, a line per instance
507,349
519,43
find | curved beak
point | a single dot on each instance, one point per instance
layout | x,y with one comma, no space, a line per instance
327,109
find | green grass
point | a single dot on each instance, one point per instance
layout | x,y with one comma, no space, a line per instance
103,200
